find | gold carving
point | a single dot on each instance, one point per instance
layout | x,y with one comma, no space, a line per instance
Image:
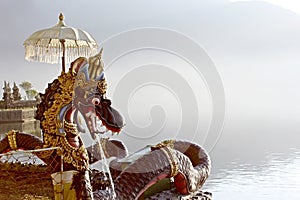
78,157
61,17
167,147
52,136
102,86
12,140
90,85
173,160
165,143
43,154
68,82
70,128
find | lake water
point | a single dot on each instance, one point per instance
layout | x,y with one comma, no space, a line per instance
254,162
276,177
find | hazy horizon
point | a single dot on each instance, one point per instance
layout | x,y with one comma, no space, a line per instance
253,45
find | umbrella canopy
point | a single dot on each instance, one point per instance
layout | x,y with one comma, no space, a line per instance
59,44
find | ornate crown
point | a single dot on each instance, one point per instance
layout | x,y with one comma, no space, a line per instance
91,75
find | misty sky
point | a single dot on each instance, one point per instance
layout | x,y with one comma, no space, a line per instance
292,5
255,46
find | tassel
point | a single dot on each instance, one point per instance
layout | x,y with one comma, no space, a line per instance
50,51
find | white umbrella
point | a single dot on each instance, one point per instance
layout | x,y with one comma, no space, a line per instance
59,44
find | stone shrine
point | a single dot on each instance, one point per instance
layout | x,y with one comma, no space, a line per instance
16,113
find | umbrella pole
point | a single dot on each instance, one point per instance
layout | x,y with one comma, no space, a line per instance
63,56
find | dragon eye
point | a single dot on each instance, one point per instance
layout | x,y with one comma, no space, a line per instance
96,101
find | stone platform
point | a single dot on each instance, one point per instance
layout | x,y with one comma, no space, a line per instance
172,195
19,119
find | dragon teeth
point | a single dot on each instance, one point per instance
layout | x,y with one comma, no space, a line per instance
102,129
98,125
89,114
99,122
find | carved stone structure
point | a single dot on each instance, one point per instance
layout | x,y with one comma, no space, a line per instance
7,96
16,93
16,113
19,119
12,100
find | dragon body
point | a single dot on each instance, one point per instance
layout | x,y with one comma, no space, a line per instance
74,104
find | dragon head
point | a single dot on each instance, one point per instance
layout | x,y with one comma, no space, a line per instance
90,97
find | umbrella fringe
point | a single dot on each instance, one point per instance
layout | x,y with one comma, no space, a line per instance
53,54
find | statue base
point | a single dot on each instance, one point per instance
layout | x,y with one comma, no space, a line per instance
171,194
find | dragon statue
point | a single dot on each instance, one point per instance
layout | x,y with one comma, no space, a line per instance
75,104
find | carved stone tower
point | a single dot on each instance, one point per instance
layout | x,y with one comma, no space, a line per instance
7,96
16,93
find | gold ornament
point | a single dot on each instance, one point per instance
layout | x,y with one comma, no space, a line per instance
173,160
165,143
70,128
12,140
91,85
167,147
52,136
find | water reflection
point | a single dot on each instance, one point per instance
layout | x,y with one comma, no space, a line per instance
275,177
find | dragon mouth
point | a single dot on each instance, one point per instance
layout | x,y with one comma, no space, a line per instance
97,126
101,119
